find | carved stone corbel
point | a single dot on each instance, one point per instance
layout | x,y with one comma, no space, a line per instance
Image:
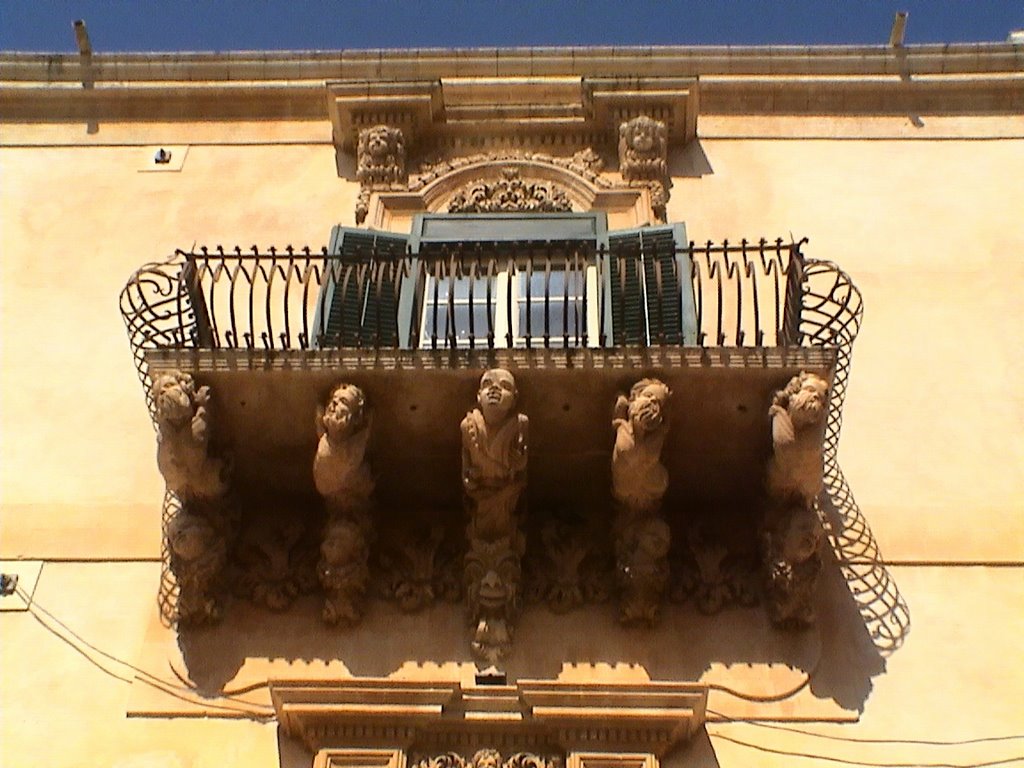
792,531
494,458
342,477
639,482
643,159
380,163
198,534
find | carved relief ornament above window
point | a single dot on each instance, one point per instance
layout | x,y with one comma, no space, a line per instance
510,194
469,121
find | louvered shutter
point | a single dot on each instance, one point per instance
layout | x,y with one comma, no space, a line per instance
359,298
629,320
651,290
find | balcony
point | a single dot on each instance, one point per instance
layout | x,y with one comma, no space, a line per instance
414,321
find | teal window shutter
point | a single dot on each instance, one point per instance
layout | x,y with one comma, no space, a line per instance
650,288
358,304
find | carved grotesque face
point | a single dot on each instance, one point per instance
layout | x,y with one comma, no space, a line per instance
643,137
807,405
189,538
493,571
497,394
647,402
173,394
802,536
342,543
378,142
344,412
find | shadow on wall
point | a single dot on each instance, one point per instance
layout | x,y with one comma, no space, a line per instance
838,654
691,162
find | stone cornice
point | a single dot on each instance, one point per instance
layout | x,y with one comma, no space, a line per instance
871,80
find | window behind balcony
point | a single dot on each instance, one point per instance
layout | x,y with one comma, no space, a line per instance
508,280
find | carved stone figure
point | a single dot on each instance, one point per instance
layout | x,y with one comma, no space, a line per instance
342,477
639,479
380,156
494,446
643,149
183,440
493,576
792,557
798,421
340,471
343,571
198,552
510,193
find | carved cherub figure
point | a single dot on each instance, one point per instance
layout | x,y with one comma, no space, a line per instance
798,421
340,470
792,556
343,571
380,155
183,440
197,553
643,149
639,479
494,456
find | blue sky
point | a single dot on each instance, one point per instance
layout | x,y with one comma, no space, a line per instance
221,25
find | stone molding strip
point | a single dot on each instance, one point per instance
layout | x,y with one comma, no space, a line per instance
223,360
650,61
383,713
873,80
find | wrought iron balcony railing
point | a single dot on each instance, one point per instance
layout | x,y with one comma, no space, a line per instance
733,294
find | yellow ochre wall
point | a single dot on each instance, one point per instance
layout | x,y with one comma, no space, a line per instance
926,223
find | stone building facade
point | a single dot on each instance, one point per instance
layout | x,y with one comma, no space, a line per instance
320,256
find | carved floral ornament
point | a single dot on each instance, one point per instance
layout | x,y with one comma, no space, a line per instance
489,758
510,194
